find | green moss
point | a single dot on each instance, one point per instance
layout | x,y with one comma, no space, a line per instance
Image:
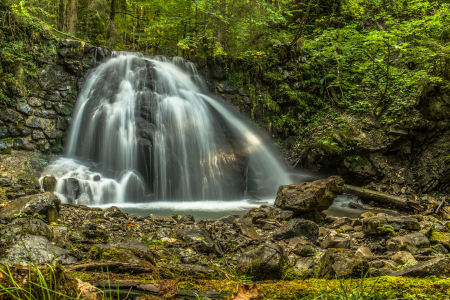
5,151
113,255
28,180
439,237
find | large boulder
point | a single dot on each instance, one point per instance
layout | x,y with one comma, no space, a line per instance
297,228
341,263
264,262
336,240
45,204
36,249
386,224
307,197
433,267
5,147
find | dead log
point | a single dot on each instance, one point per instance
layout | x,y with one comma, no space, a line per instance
382,197
109,266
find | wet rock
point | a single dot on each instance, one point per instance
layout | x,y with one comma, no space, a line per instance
229,219
336,240
36,249
386,224
14,131
382,267
309,197
411,242
20,226
265,262
45,204
49,183
114,212
436,267
24,108
297,228
5,147
403,258
226,87
341,263
198,240
22,144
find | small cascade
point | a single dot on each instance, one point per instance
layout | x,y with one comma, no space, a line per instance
145,130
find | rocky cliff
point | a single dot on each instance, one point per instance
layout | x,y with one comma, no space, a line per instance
39,105
409,153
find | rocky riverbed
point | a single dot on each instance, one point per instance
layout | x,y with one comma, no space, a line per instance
292,240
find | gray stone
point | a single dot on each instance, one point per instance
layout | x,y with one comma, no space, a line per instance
5,147
411,242
37,135
304,266
37,123
403,258
4,133
336,240
43,145
198,240
36,249
341,263
436,267
297,228
35,102
53,96
385,224
24,108
49,183
62,109
266,262
45,114
226,87
245,227
310,196
9,115
14,131
22,144
54,77
48,105
114,212
45,204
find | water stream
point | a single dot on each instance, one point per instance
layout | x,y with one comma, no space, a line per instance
146,133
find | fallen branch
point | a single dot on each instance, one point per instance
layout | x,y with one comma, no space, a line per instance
109,266
440,206
417,257
382,197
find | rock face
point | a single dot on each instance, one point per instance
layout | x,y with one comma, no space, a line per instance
46,205
308,197
342,263
265,262
297,228
49,183
437,267
58,80
386,224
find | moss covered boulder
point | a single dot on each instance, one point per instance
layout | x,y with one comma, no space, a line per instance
389,224
265,262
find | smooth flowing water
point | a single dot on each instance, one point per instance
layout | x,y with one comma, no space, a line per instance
145,130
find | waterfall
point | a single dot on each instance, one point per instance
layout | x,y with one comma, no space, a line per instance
145,129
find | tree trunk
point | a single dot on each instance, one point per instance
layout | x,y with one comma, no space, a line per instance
112,14
382,197
134,27
72,16
61,15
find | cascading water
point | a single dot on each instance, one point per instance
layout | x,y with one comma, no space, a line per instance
144,131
